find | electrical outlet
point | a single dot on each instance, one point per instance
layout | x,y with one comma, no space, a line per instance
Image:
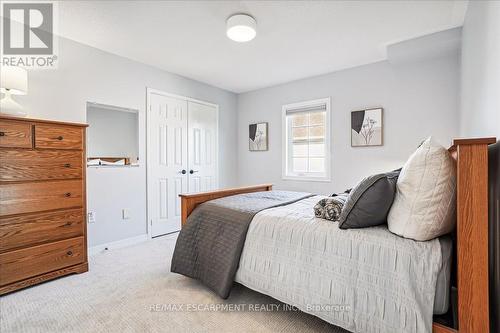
91,217
125,214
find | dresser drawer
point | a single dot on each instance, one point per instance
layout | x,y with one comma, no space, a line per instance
15,134
33,229
20,264
58,137
35,197
27,165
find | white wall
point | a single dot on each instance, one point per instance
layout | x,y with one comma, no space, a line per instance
419,99
112,133
88,74
480,88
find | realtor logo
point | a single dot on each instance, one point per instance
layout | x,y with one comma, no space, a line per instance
28,34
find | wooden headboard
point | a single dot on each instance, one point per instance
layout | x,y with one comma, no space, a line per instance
471,156
494,215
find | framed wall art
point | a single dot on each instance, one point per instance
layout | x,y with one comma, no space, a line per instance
367,127
257,137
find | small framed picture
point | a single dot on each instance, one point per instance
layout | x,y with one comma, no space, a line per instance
367,127
257,137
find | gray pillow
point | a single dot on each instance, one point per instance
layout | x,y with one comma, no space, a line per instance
369,202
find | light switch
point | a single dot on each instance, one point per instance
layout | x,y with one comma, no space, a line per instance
91,217
125,214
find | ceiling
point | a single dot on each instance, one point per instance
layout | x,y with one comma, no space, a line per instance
295,39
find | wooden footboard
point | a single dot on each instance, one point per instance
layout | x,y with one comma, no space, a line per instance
190,201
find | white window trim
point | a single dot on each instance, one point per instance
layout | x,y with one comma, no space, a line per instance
285,145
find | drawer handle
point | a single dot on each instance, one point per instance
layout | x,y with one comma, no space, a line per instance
67,165
59,138
2,133
68,194
69,253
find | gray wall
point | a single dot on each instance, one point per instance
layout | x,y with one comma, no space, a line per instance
419,99
112,133
480,89
88,74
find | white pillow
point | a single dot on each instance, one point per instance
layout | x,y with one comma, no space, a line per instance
424,205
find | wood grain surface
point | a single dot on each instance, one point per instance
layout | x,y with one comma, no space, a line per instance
15,134
43,230
472,236
58,137
35,197
190,201
79,268
37,165
33,229
32,261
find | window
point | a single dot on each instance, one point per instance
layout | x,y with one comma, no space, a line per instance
306,140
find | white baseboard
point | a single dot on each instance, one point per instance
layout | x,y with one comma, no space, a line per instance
117,244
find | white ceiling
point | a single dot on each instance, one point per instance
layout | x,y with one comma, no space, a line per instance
295,39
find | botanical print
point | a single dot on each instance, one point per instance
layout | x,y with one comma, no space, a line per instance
257,137
366,128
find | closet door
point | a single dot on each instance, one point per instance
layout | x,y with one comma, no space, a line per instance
167,171
202,147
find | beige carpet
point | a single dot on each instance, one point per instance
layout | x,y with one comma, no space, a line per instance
124,285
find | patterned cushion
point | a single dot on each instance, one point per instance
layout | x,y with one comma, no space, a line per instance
330,208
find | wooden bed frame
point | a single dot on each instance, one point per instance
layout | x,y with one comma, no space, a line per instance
471,156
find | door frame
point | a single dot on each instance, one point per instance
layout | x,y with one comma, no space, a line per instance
149,91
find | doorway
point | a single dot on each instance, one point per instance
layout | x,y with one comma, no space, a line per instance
182,155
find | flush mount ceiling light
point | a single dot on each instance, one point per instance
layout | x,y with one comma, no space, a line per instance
241,28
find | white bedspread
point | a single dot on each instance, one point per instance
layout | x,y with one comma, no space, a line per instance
364,280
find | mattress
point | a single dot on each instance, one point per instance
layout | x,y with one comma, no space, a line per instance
376,281
443,288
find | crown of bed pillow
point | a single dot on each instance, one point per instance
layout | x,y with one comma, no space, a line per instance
424,205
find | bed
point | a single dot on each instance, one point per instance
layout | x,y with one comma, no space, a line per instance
387,282
389,293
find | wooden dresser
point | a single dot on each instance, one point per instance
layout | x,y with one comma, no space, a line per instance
43,232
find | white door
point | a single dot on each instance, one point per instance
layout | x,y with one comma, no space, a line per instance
167,133
202,147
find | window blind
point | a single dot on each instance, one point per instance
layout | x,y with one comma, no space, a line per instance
309,108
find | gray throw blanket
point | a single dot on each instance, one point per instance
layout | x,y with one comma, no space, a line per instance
210,243
331,207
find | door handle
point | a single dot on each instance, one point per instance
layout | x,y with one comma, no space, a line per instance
183,171
192,171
